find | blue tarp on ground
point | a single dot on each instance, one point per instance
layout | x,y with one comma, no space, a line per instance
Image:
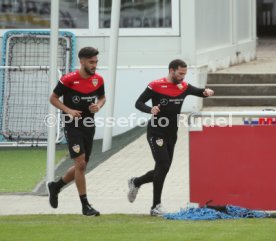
205,213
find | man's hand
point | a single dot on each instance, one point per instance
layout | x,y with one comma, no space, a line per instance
155,110
208,92
93,108
74,113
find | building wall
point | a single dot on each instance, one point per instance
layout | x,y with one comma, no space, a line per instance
213,34
217,28
226,36
213,24
136,50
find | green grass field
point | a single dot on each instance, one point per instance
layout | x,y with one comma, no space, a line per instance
22,169
132,228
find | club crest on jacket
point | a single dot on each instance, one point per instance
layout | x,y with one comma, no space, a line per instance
76,148
159,142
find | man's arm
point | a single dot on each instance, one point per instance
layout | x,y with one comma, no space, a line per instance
54,100
143,98
192,90
208,92
95,107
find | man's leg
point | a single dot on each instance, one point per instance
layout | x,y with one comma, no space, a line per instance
135,183
146,178
80,167
69,175
162,157
75,147
55,187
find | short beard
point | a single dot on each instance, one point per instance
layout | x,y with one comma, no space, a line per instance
176,81
88,71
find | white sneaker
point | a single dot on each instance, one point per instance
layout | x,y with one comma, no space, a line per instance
133,190
158,210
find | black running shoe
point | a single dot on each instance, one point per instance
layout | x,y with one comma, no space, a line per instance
88,210
53,194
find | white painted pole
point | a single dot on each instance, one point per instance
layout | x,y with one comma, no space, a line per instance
53,73
113,50
253,20
188,41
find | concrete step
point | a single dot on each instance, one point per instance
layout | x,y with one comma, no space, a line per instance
240,101
243,89
230,78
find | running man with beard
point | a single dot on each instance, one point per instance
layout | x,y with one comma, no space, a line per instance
167,95
83,96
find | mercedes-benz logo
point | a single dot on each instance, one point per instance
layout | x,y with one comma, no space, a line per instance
164,101
76,99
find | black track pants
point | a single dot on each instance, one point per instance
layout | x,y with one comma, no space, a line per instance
162,150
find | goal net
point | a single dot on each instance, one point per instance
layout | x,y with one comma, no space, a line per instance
24,85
